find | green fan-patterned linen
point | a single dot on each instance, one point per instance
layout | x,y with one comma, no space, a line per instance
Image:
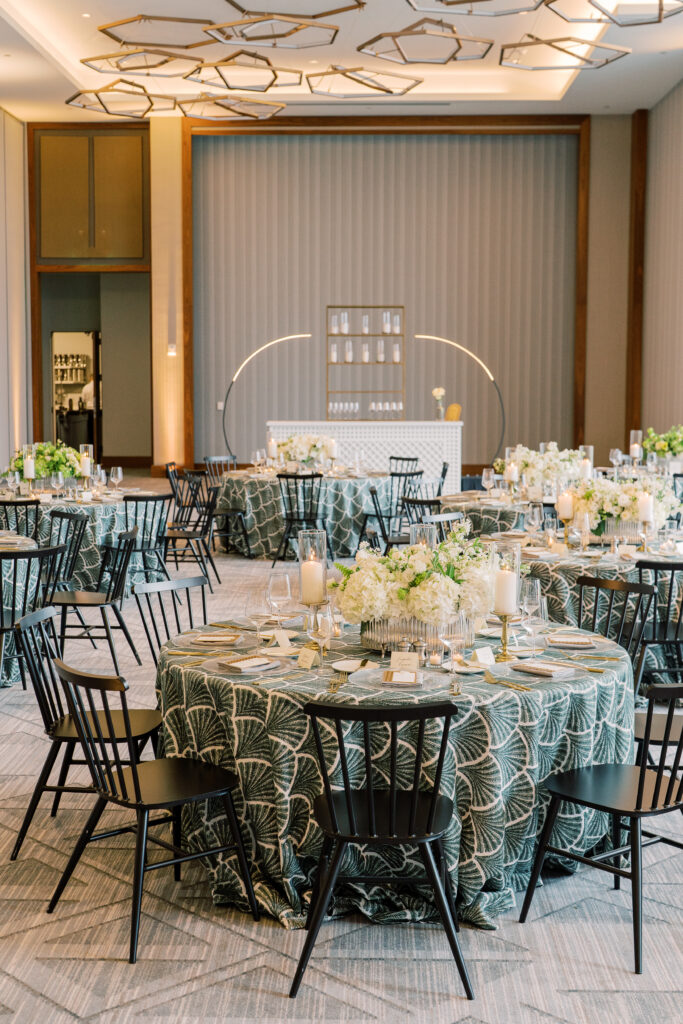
343,504
504,743
488,517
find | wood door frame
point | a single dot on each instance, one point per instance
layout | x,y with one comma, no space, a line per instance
578,125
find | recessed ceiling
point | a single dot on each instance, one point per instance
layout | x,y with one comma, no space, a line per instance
43,44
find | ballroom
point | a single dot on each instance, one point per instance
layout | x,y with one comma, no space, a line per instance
341,511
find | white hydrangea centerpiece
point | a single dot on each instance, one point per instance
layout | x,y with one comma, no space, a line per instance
543,468
305,447
417,582
605,499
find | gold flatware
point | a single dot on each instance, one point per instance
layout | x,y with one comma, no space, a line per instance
594,657
495,681
573,664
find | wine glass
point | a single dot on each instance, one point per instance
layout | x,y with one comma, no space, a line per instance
116,476
534,622
279,593
615,459
257,615
651,462
488,479
13,481
534,517
320,629
583,525
452,636
57,482
549,527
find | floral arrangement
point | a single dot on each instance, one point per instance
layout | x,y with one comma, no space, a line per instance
416,581
305,447
438,394
539,468
669,443
49,458
605,499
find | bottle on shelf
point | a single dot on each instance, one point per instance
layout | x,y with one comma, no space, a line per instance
334,324
333,352
386,322
348,352
380,350
396,352
397,323
365,324
344,321
365,353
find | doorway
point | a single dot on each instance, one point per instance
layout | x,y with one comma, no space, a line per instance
77,389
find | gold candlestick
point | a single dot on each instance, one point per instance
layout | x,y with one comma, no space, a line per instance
565,523
504,654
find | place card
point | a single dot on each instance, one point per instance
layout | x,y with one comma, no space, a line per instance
308,658
282,637
536,667
399,678
482,656
247,664
407,661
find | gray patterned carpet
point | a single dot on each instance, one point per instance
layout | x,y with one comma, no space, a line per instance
570,964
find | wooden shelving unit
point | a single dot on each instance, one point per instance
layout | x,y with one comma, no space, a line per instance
386,380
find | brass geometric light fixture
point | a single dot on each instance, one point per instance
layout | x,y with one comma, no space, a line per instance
349,83
566,54
122,99
143,61
252,72
577,12
649,12
302,8
428,41
274,30
477,8
157,31
223,108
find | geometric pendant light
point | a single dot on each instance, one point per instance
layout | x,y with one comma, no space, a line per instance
477,8
351,83
157,31
143,61
565,54
252,72
274,30
122,99
427,41
210,107
301,8
649,12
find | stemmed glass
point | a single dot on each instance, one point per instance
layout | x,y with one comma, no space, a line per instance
13,481
320,629
116,476
583,524
452,636
279,593
651,462
57,482
536,618
529,600
549,527
256,614
488,479
534,517
615,459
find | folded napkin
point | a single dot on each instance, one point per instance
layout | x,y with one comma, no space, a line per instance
216,638
536,667
246,664
569,640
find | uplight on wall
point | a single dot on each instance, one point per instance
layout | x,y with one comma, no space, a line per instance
172,349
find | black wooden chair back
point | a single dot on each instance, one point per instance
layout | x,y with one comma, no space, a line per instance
382,523
442,478
217,466
659,786
20,516
27,580
667,607
399,464
172,477
300,495
116,566
616,609
445,522
166,608
417,508
184,503
149,513
68,528
36,637
393,805
91,700
402,485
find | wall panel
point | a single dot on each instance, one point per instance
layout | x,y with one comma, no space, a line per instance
475,235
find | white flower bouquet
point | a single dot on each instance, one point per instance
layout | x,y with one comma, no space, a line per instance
305,448
605,499
543,468
429,585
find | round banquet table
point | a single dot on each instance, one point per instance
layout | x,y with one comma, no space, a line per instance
344,500
503,744
487,515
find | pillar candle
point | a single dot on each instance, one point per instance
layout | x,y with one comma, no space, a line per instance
505,592
29,469
272,448
511,473
312,582
85,465
646,508
565,505
635,452
585,469
333,448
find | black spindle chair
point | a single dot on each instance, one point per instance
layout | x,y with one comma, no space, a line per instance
27,581
300,494
172,477
69,528
392,519
149,514
417,508
20,516
402,464
623,791
191,542
402,813
616,609
217,466
445,522
164,617
36,637
165,784
115,571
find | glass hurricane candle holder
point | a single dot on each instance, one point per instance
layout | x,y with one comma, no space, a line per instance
506,584
423,533
29,465
635,443
86,452
312,567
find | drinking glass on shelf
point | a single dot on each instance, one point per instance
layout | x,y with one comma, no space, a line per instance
488,478
116,476
372,411
400,410
320,629
386,411
394,411
279,593
57,482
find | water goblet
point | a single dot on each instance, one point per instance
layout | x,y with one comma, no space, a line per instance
536,620
488,479
57,482
116,476
320,629
651,462
257,615
13,481
279,593
615,459
534,517
452,636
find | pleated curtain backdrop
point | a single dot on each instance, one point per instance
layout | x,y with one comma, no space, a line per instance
474,235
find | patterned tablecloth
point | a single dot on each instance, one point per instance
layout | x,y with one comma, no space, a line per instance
487,516
343,503
10,668
504,743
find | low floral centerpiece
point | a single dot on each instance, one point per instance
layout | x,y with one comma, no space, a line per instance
667,444
305,448
49,458
438,394
418,585
539,468
604,499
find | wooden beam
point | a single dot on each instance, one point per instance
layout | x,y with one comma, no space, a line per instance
636,266
188,296
581,285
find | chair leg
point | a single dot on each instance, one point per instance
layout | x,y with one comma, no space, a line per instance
84,624
321,871
124,629
198,556
637,892
540,857
80,846
110,640
63,772
445,914
36,795
62,629
616,843
318,915
138,879
177,837
209,556
282,549
241,854
446,883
